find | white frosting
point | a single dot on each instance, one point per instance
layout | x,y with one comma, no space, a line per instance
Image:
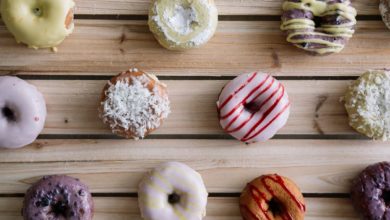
182,19
258,89
132,106
172,177
28,107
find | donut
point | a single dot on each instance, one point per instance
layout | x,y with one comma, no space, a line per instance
253,107
183,24
38,23
172,191
134,103
272,197
368,104
370,192
384,8
58,198
22,112
320,27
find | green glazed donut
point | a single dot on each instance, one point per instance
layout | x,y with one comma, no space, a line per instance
183,24
367,102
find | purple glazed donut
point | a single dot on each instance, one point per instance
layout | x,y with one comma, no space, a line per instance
22,112
58,198
371,192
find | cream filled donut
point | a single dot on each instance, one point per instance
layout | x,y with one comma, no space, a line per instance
253,107
38,23
22,112
183,24
172,191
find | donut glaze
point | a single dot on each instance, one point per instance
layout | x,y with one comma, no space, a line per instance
253,107
22,112
58,198
371,192
172,191
272,197
183,24
134,103
319,27
38,23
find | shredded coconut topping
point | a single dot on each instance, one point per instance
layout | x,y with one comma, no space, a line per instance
182,20
133,107
370,101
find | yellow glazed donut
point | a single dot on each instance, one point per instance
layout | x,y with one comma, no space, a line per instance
183,24
38,23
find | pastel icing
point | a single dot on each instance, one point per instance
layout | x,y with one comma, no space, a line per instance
172,178
253,107
183,24
38,23
22,112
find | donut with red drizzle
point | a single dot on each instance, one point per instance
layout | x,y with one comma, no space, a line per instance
253,107
272,197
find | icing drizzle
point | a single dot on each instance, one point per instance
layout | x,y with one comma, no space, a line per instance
331,36
258,196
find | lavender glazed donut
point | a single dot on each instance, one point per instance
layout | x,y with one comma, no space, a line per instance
253,107
22,112
58,198
319,27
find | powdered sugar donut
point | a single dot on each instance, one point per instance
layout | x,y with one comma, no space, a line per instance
134,103
384,8
253,107
22,112
172,191
183,24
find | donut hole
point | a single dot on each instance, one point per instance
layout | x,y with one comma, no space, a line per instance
386,197
8,113
317,21
174,198
37,11
275,207
59,208
252,107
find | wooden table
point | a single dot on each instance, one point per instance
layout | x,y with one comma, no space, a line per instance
317,148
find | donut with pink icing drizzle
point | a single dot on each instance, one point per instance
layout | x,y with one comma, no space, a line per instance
22,112
253,107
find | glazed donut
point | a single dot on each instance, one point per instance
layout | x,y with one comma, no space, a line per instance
183,24
368,104
172,191
58,198
38,23
319,27
22,112
272,197
134,103
253,107
384,8
371,192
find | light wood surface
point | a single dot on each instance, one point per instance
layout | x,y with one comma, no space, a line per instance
107,47
73,107
217,209
317,148
225,7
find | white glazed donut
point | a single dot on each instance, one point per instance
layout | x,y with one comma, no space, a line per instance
172,191
22,112
253,107
38,23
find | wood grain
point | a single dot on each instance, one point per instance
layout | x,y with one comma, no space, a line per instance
225,7
72,107
318,166
106,47
218,209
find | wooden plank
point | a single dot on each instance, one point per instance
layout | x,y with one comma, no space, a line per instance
106,47
73,104
217,209
318,166
225,7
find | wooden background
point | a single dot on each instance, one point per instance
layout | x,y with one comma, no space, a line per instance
317,148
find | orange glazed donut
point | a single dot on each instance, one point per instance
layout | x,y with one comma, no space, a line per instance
272,197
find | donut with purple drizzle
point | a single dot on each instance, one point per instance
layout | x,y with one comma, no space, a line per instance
58,198
320,27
